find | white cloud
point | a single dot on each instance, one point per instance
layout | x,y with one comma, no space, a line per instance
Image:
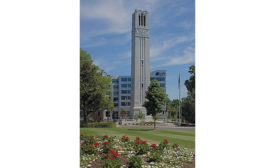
156,51
186,25
187,57
113,14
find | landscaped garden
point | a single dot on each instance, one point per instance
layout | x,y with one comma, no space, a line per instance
121,147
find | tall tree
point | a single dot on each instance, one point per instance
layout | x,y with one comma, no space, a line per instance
173,109
94,87
155,98
188,103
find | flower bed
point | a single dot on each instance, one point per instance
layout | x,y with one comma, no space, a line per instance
120,152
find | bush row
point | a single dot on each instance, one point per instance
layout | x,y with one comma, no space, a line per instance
99,125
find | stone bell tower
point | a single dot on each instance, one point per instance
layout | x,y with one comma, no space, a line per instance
140,61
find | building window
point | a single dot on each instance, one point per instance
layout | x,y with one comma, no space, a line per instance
115,104
160,78
124,79
162,85
115,86
129,79
129,103
123,85
115,93
129,97
115,99
123,103
123,97
114,80
124,91
139,20
129,85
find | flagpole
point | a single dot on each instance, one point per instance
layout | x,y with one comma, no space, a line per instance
179,99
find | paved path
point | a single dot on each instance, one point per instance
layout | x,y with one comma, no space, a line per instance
158,127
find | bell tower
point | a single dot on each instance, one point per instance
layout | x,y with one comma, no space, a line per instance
140,61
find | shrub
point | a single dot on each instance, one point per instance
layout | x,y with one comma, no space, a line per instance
124,138
88,149
135,162
154,157
111,162
141,147
87,139
101,125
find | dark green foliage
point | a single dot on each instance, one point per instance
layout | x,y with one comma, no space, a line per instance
156,97
101,125
111,163
94,87
154,157
188,103
173,109
135,162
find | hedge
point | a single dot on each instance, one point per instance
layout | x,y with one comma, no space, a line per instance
101,125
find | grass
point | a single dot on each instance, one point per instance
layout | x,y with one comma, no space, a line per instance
185,138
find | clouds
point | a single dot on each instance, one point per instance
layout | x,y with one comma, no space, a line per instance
188,56
157,51
112,16
106,31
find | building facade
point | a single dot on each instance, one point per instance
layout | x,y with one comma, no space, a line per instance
121,95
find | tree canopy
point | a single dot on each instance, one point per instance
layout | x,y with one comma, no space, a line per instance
188,103
155,98
94,87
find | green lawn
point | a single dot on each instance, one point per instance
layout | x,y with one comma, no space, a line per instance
185,138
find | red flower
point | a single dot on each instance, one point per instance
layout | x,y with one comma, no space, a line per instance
153,145
137,142
116,154
165,140
92,146
92,136
81,134
96,144
111,151
106,136
137,138
106,143
144,142
127,138
111,156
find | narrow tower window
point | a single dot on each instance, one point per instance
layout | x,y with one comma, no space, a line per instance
144,21
139,20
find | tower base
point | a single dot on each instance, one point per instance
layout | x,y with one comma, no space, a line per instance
137,110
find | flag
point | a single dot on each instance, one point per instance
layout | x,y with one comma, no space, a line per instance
179,82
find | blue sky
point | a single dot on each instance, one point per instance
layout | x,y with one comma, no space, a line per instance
105,33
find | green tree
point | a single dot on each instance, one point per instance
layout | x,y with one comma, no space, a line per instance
173,109
156,97
188,103
94,87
